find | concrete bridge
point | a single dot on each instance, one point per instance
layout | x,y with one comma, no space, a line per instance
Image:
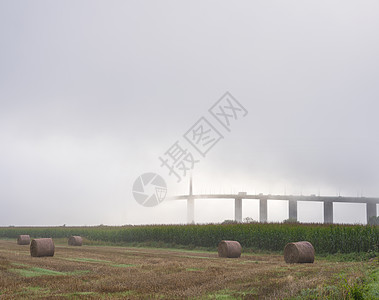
292,204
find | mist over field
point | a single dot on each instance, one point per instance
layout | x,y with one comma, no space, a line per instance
92,93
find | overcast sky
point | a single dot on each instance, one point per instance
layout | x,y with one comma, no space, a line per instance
92,93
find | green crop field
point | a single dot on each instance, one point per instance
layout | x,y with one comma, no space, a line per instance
326,239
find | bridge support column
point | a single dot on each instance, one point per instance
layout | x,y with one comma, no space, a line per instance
190,210
370,210
328,212
238,210
262,210
292,209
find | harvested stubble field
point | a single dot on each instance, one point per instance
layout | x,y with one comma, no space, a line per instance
105,272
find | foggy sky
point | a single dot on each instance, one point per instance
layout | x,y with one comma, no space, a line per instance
93,92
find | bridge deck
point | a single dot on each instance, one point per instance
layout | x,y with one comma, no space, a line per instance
278,197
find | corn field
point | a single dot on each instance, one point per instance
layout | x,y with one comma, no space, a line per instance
271,236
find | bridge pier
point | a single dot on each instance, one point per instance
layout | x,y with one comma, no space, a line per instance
370,210
328,212
190,210
238,210
263,210
371,204
292,209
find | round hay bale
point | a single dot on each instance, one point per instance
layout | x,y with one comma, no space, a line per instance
23,239
42,247
75,240
300,252
229,249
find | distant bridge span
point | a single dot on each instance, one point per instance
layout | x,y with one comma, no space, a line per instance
292,204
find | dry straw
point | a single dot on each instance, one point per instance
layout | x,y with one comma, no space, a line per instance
230,249
42,247
300,252
75,240
23,239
